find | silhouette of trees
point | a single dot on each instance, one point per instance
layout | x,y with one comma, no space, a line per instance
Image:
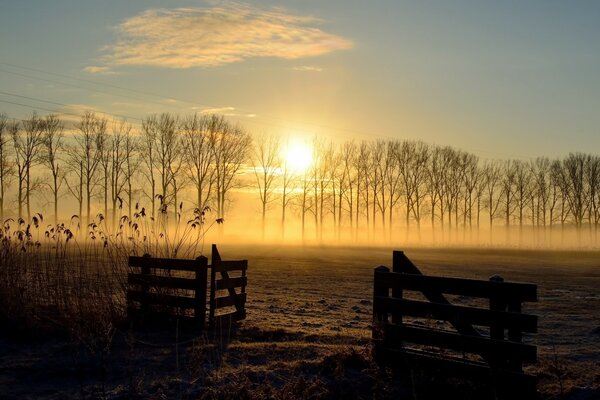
27,144
266,162
381,190
199,154
6,169
85,156
52,137
231,145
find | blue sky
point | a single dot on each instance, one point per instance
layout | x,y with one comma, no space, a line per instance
502,79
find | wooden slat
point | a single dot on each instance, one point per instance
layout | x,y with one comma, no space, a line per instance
231,283
229,266
472,315
161,299
232,316
401,263
458,286
161,281
158,316
164,263
237,300
396,334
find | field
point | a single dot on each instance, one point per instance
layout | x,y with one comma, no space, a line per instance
307,333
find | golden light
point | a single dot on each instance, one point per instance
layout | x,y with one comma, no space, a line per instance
298,157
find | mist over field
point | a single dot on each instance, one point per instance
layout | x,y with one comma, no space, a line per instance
174,171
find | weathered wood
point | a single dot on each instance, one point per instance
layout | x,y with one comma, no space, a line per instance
230,301
231,266
449,312
161,299
161,281
383,292
231,283
458,286
219,266
497,301
397,335
403,264
163,263
140,285
200,290
502,359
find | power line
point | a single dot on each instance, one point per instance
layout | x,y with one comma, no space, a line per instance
103,84
262,120
58,112
67,105
82,88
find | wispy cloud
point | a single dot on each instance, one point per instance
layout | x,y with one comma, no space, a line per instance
208,37
94,69
218,110
308,68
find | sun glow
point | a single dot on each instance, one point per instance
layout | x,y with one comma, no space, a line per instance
298,157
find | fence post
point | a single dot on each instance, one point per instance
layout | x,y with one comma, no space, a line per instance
212,301
379,291
400,264
144,305
515,335
497,303
200,292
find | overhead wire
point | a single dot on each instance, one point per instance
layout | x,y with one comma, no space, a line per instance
264,120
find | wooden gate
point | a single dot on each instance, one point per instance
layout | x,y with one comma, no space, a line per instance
429,332
162,289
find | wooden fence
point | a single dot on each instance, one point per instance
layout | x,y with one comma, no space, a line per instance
166,289
417,326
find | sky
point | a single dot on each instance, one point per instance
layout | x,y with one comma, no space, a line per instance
509,79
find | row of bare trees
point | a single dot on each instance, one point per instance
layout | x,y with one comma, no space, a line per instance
379,187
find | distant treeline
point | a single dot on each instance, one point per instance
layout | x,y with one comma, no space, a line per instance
385,186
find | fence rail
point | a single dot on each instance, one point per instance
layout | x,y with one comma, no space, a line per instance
176,288
473,341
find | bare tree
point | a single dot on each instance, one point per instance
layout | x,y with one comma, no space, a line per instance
436,185
115,153
348,180
376,179
453,179
87,154
199,154
471,179
362,181
414,158
288,184
52,136
592,177
492,177
230,146
168,151
131,147
149,158
508,182
266,161
27,143
540,171
572,180
6,168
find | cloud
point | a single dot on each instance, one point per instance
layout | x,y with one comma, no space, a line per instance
218,110
94,69
209,37
308,68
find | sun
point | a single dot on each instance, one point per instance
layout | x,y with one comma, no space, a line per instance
298,157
